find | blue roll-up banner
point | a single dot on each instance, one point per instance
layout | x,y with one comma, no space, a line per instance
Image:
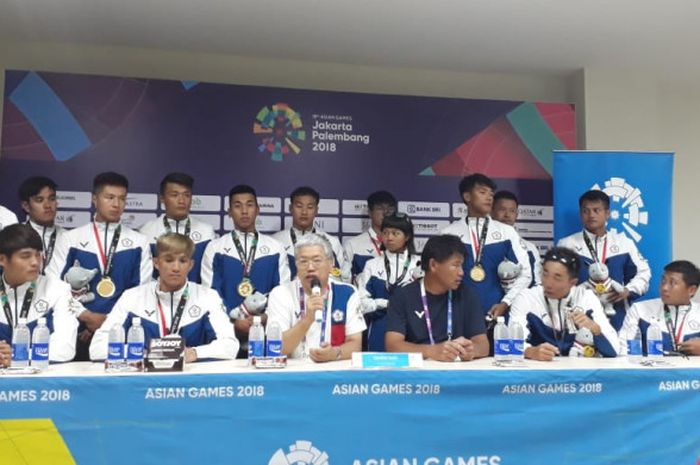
640,188
513,417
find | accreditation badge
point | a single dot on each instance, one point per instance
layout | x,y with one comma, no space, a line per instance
106,288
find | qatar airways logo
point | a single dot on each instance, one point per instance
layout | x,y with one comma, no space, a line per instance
626,207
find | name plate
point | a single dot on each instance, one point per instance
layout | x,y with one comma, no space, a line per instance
166,354
387,360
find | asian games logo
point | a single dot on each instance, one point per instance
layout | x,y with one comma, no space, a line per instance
281,128
626,206
300,453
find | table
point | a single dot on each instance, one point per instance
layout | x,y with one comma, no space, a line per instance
570,411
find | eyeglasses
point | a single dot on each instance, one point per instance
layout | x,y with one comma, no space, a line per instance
559,258
305,262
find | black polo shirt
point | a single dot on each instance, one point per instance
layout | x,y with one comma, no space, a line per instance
405,314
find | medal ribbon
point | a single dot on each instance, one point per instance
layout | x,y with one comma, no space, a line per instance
47,253
107,261
594,252
302,310
169,229
426,310
478,246
175,323
376,243
28,296
247,259
390,287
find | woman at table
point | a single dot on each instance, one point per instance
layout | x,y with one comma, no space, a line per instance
384,274
560,318
173,305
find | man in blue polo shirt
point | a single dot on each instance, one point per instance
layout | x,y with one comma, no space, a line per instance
439,316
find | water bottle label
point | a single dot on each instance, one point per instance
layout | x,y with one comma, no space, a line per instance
502,347
655,348
20,352
134,351
517,347
40,352
274,348
115,351
256,348
634,347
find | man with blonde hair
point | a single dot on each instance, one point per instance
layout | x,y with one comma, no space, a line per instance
174,305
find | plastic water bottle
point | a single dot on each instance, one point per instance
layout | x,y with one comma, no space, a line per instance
274,340
655,344
517,341
634,347
115,349
40,345
256,339
20,344
501,341
134,345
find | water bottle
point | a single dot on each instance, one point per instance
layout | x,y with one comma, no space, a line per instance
634,346
40,345
134,345
274,340
517,341
256,339
115,349
20,344
655,342
501,341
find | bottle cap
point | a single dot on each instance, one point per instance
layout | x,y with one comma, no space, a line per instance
501,319
136,321
22,321
42,321
256,320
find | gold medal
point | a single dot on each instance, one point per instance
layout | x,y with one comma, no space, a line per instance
105,287
477,273
600,288
589,351
245,288
335,272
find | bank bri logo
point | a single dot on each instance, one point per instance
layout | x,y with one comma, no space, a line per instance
281,128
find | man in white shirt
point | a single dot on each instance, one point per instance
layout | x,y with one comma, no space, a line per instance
337,333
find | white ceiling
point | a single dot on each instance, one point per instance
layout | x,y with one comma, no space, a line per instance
514,36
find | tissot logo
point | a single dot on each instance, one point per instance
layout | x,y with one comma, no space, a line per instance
300,453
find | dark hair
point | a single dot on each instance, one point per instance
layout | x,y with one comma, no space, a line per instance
505,195
403,223
468,182
690,272
109,178
566,257
440,249
381,198
177,178
594,196
32,186
305,190
19,236
242,189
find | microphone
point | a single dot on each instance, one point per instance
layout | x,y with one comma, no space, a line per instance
315,286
